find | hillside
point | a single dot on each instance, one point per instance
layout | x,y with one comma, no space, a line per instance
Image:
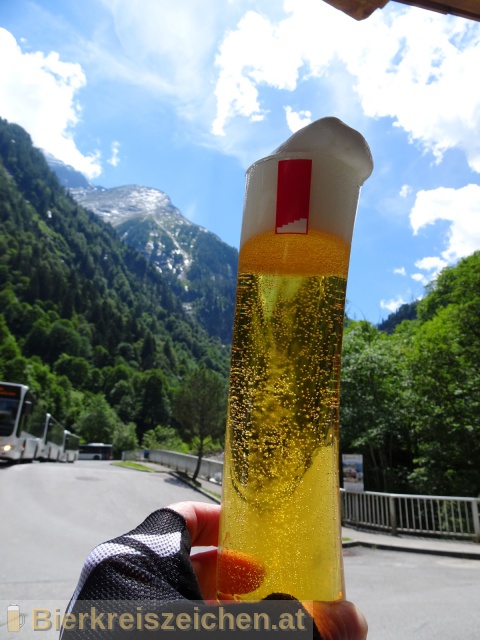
410,392
80,307
200,268
406,311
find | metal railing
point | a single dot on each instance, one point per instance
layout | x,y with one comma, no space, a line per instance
210,469
443,516
447,516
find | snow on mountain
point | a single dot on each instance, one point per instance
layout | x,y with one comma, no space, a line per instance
146,219
201,268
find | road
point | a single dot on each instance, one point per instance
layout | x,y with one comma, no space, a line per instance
54,514
413,596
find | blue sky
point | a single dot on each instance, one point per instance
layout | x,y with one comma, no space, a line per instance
183,96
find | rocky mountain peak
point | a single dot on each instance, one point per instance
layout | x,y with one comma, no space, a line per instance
118,204
200,267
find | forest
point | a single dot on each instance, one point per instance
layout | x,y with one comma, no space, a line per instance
93,328
410,398
86,321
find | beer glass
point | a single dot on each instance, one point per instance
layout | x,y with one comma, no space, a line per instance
280,528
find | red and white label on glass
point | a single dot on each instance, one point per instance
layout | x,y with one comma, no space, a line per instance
293,195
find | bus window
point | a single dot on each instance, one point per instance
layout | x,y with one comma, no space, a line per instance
33,418
8,415
22,423
54,440
71,447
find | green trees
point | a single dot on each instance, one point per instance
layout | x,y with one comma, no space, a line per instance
200,410
154,401
411,398
374,404
164,438
82,315
98,422
446,379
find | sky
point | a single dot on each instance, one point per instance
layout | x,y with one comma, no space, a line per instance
183,96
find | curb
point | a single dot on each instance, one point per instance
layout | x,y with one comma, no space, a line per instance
466,555
369,544
181,477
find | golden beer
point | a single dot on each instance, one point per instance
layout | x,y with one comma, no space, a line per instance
280,528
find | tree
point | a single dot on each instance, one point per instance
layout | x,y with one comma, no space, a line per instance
76,369
163,438
124,438
9,349
200,410
64,338
98,421
374,407
151,388
446,392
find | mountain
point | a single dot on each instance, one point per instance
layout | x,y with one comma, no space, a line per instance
81,312
407,311
200,268
67,175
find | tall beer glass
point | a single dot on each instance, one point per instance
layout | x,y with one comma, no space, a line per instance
280,525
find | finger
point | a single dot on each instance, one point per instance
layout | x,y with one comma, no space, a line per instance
205,567
339,620
202,521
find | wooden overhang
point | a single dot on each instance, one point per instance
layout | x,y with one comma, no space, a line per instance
361,9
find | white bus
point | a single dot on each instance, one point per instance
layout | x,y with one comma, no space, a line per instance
54,440
95,451
22,423
72,443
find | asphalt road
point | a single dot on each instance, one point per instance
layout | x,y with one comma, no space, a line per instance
413,596
52,515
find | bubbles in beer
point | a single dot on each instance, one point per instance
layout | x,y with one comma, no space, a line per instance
281,456
284,384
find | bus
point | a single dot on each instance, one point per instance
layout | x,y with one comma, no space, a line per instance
54,440
95,451
72,443
22,423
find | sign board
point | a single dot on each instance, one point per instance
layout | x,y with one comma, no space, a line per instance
352,471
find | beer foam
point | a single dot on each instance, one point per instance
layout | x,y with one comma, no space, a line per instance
341,162
333,137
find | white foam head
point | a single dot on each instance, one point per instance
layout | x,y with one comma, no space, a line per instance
341,162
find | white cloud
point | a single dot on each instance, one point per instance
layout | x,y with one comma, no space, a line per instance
114,158
461,208
224,66
38,92
262,51
405,191
422,278
250,55
297,119
414,66
393,304
431,264
168,49
400,271
423,79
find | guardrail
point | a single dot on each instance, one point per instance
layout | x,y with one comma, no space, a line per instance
210,469
443,516
446,516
